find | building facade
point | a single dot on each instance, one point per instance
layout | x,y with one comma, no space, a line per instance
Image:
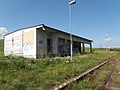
41,41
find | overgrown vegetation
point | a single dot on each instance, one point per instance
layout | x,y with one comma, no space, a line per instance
114,80
20,73
95,80
1,47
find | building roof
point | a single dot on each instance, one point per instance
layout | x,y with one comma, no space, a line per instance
42,25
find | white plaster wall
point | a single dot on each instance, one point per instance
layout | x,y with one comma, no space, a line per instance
8,45
19,48
17,41
29,43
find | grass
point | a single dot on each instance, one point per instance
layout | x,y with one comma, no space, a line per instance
1,48
1,45
20,73
94,81
114,80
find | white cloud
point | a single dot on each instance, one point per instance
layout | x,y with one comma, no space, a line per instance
106,35
3,31
108,39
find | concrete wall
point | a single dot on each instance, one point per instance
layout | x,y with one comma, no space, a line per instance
21,43
41,43
77,39
42,37
29,43
8,45
67,37
13,43
32,42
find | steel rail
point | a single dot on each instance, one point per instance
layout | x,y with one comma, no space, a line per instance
107,78
61,86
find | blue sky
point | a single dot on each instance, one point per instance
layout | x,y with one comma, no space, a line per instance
92,19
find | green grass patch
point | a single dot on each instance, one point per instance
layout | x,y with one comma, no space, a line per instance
1,47
94,81
20,73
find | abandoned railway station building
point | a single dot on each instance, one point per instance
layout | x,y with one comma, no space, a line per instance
40,41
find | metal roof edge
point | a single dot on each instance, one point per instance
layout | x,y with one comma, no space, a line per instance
50,28
68,33
24,28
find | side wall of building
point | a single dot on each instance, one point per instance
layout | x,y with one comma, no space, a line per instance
8,45
66,36
77,41
41,43
21,43
46,43
44,47
29,43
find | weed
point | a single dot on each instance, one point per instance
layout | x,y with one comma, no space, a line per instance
20,73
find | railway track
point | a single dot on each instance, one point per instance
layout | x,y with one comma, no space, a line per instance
112,81
77,78
103,87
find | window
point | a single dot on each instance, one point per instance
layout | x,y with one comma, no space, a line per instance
61,40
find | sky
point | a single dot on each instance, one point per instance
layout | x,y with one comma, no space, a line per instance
98,20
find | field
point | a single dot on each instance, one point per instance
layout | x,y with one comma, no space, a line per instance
18,73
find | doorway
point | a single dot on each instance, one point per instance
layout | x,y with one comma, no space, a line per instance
49,46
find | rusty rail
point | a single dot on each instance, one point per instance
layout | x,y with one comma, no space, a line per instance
61,86
107,79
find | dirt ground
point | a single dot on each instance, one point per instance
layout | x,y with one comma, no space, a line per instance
114,81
